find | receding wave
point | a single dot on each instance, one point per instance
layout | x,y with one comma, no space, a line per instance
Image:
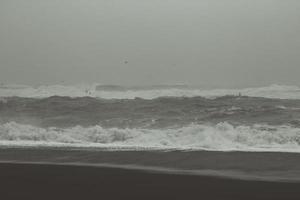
151,92
220,137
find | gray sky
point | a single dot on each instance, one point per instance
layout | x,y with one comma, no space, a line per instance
231,43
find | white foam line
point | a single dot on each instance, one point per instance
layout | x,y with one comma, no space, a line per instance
93,147
221,137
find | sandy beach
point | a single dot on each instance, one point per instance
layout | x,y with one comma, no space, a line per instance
33,181
85,174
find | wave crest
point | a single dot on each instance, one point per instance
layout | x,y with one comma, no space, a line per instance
221,137
273,91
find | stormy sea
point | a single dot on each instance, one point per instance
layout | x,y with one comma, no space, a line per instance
214,143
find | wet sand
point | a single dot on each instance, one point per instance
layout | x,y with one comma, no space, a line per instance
39,181
49,173
267,166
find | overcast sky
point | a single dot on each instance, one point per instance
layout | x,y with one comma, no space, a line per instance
230,43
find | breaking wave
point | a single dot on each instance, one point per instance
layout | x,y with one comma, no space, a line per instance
220,137
119,92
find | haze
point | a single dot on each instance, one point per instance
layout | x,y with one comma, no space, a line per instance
232,43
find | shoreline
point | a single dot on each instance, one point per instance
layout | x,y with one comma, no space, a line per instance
263,166
32,181
221,174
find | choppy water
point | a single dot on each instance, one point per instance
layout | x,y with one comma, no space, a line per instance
146,92
162,117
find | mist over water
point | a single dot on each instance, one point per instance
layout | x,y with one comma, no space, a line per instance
145,92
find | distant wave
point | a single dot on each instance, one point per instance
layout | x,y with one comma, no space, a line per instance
151,92
220,137
93,116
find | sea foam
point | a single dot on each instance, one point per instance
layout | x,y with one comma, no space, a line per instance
220,137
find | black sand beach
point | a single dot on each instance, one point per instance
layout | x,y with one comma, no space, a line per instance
32,181
62,177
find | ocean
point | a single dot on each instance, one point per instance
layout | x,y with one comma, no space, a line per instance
150,142
161,117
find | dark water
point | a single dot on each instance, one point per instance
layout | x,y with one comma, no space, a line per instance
156,113
225,123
